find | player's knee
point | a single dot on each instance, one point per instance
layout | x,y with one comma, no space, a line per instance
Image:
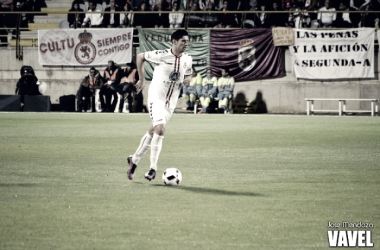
159,129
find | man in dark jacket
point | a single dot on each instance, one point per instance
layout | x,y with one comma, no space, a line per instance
87,89
111,78
110,18
349,19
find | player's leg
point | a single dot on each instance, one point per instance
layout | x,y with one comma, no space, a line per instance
143,147
160,116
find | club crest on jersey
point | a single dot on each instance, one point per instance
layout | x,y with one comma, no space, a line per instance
185,65
174,76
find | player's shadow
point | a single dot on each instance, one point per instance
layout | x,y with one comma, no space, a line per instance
212,191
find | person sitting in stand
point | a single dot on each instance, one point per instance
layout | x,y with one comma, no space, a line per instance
75,19
195,19
349,18
161,19
225,19
278,19
143,20
111,79
226,86
110,19
326,20
94,20
126,18
209,20
175,18
87,89
209,89
190,93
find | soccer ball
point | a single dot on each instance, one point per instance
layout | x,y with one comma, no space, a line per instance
172,177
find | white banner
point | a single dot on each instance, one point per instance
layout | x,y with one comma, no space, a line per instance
333,54
84,46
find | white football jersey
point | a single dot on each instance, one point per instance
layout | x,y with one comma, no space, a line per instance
169,72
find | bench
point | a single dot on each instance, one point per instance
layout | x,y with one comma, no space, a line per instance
341,105
214,102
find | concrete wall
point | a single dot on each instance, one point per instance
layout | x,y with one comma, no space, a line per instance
282,94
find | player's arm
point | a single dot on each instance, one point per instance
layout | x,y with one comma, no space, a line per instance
140,70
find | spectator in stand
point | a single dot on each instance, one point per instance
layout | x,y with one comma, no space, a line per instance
110,19
309,19
5,5
226,86
152,4
161,19
75,19
370,20
111,79
10,21
226,20
326,20
87,89
93,20
209,90
259,20
210,20
290,22
136,4
21,6
126,18
189,94
278,19
347,19
195,19
175,18
143,20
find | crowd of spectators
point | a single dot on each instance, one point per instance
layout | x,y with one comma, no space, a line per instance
281,13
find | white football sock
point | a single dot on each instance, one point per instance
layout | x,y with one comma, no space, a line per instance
143,148
155,150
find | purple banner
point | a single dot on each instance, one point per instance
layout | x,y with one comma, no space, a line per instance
248,53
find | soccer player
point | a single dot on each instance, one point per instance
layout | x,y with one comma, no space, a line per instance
173,67
226,86
209,89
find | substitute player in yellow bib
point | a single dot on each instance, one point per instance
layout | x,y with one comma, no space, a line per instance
172,68
226,86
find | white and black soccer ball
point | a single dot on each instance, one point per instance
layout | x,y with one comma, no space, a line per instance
172,177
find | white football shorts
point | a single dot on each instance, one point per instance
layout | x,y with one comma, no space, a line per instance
159,112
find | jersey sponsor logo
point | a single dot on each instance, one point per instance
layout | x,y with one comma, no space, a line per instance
161,52
174,76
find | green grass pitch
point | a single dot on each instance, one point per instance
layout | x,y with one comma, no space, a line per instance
249,181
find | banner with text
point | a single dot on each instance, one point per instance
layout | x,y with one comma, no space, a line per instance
80,47
247,53
198,48
333,54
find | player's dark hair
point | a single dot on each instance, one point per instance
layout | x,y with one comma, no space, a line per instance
227,70
113,63
92,68
178,34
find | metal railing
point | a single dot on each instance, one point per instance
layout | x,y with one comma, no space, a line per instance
18,36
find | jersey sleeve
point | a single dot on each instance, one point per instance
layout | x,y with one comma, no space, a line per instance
153,56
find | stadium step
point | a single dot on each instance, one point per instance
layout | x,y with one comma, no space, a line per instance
42,26
49,19
56,11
